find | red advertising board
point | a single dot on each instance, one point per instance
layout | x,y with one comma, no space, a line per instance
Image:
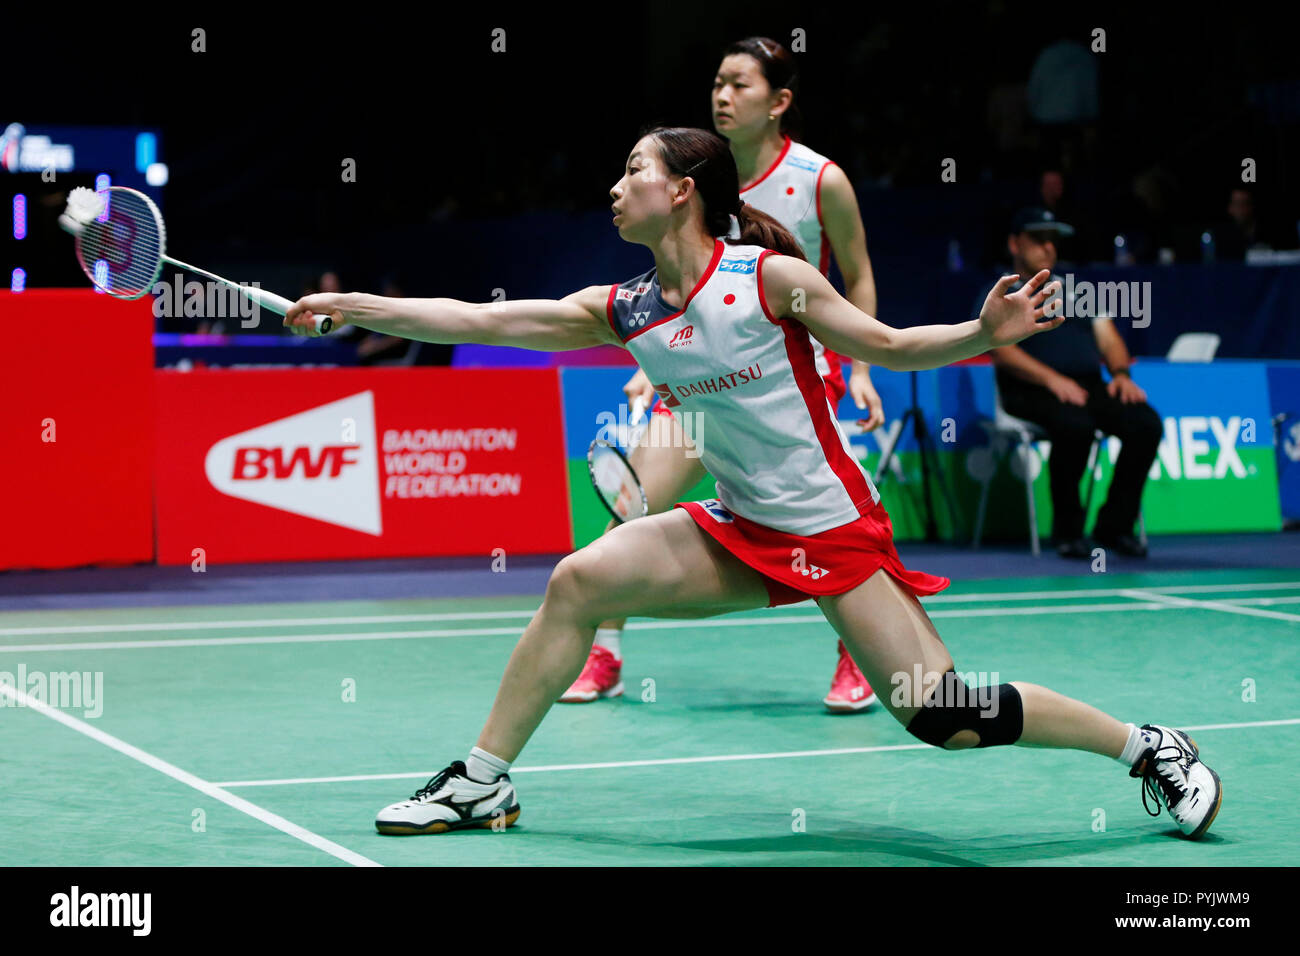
76,429
301,464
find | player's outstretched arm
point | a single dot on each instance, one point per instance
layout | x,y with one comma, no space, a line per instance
548,325
795,290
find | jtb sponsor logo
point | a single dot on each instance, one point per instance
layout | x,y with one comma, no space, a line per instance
302,465
682,337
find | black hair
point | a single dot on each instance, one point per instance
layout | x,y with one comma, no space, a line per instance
778,66
707,159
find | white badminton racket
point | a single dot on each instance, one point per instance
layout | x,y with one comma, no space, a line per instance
121,245
613,476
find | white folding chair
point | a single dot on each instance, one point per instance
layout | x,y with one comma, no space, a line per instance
1193,347
1006,432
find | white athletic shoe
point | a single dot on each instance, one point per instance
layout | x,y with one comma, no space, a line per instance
452,801
1173,773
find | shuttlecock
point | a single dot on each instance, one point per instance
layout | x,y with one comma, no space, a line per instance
84,204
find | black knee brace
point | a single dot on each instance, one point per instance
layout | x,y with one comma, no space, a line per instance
995,713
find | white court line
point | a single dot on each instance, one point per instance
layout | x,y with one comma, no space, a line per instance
767,621
1140,594
269,622
277,639
1262,601
723,758
1109,592
213,790
974,598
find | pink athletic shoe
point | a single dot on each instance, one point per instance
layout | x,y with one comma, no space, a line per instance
600,678
850,691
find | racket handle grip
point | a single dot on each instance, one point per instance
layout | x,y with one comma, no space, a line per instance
280,306
638,409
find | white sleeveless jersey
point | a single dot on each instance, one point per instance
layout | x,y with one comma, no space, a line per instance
755,404
790,192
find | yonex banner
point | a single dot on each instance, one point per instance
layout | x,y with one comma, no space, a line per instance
1284,396
1215,470
339,463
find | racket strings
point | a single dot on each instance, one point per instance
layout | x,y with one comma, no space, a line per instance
122,250
616,483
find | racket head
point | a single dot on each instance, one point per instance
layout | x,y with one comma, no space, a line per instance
129,239
615,482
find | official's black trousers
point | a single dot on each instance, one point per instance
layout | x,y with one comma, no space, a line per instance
1071,429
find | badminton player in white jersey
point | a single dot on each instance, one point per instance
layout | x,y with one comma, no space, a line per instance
754,110
796,514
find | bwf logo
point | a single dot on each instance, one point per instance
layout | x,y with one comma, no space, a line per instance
306,465
682,337
102,909
253,464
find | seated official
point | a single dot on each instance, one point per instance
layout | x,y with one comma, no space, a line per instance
1055,381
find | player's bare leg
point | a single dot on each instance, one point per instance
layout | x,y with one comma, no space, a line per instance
895,643
661,565
668,467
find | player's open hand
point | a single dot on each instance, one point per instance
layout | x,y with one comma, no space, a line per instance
301,317
865,396
1009,318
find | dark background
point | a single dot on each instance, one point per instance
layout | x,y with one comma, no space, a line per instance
460,149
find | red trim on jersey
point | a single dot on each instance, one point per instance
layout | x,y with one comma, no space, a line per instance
834,379
609,308
825,256
799,350
842,558
718,247
758,280
820,173
771,169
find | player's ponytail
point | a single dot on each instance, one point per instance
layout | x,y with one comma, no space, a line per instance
757,228
707,159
